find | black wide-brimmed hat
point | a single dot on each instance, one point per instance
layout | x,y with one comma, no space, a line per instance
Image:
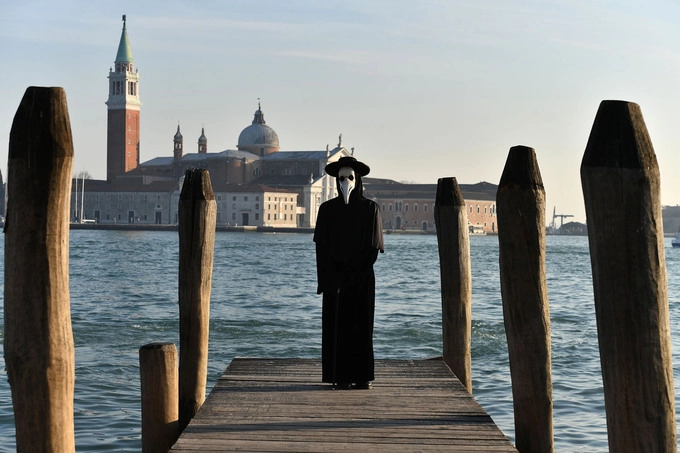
359,168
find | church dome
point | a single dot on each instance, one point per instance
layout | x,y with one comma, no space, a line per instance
258,138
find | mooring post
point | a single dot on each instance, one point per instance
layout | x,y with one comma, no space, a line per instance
526,313
621,189
450,219
160,393
197,217
38,344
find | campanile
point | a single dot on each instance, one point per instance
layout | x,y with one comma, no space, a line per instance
122,144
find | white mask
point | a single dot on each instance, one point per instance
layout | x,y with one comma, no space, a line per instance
347,180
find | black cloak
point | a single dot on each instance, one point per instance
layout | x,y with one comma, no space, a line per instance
348,238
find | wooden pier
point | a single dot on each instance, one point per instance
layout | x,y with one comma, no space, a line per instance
267,405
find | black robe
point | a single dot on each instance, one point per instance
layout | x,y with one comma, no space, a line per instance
348,238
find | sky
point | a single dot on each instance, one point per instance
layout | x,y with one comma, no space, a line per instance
422,90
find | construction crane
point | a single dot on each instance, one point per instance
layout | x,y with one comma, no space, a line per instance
561,216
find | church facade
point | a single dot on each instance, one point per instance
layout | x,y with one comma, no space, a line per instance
256,184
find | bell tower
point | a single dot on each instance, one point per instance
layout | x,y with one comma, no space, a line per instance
178,150
122,144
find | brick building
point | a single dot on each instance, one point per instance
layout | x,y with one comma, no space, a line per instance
411,206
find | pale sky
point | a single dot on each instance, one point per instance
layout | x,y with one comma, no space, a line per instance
421,90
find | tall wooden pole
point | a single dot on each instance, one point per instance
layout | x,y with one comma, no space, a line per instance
451,221
160,393
39,350
197,217
621,189
526,313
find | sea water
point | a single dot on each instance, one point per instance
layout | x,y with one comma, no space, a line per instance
123,288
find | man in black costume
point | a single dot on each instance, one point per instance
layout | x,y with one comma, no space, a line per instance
348,237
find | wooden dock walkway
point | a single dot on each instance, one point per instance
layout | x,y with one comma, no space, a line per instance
267,405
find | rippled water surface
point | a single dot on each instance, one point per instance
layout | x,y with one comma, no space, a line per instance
264,303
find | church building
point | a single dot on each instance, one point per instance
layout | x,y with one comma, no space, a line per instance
256,184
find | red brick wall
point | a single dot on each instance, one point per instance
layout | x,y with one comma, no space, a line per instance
418,214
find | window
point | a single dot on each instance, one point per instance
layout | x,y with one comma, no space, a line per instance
424,208
257,198
415,207
245,198
406,207
233,198
257,216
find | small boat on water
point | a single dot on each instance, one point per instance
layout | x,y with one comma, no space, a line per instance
676,241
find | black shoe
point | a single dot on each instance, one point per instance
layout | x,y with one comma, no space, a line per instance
342,386
363,385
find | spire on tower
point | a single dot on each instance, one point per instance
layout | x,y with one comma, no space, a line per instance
178,141
124,54
202,142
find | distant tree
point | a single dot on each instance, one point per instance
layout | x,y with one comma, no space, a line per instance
671,219
83,174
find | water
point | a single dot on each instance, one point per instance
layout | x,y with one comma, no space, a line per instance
264,304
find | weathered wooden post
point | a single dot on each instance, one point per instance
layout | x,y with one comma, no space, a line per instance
39,350
621,189
526,313
451,221
160,394
197,217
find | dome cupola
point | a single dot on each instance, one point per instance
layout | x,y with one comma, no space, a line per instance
258,138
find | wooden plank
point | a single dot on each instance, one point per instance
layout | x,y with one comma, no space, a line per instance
264,405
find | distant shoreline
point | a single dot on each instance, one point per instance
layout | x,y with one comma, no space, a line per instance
239,229
243,229
173,227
